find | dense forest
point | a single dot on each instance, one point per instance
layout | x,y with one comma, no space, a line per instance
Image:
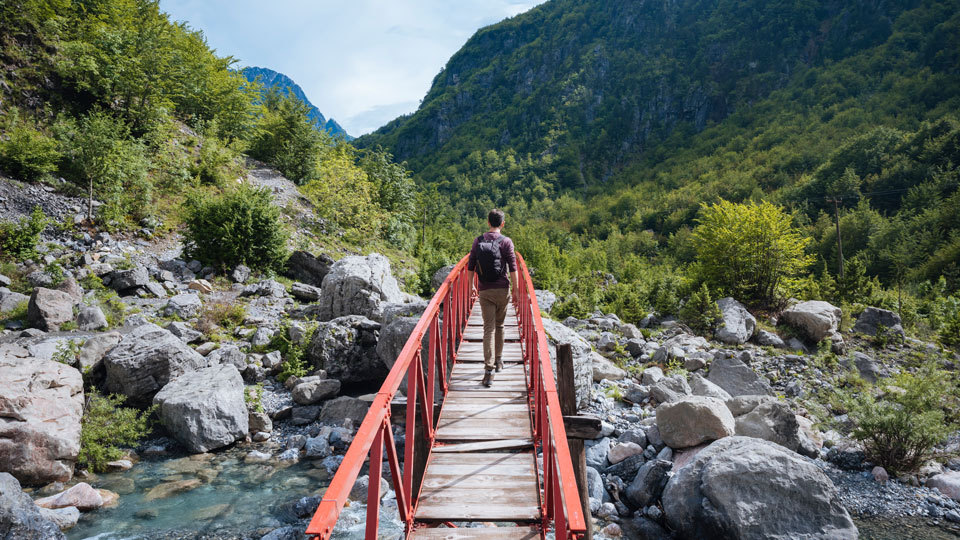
604,128
115,101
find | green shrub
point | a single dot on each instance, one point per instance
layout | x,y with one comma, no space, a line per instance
949,333
216,163
900,420
253,397
294,365
240,226
750,251
106,427
219,317
67,351
18,313
28,153
19,240
700,311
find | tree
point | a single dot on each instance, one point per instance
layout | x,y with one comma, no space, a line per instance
751,251
102,156
343,194
287,139
394,193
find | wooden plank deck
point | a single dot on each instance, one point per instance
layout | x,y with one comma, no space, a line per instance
480,487
482,467
478,533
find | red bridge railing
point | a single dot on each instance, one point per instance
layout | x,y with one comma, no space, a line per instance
560,503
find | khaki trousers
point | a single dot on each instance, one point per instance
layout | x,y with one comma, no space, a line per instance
493,307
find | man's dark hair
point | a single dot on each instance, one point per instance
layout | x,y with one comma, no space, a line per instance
495,218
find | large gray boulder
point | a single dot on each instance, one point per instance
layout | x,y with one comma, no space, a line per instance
669,389
308,268
748,489
94,349
146,359
183,305
205,409
9,300
737,378
606,369
736,323
394,337
315,391
359,286
815,319
346,348
870,321
20,518
440,276
91,318
694,420
41,405
343,408
49,308
557,333
545,300
124,281
767,418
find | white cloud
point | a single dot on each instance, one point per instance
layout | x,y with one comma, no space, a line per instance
361,62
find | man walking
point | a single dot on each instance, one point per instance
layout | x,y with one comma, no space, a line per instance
492,258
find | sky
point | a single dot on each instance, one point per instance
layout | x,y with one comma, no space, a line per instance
361,62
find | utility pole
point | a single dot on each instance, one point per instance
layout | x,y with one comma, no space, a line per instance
836,217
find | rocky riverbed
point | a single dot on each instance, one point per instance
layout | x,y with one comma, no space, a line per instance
688,421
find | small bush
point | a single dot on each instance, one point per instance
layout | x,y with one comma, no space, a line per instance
18,313
902,419
28,153
241,226
219,317
700,311
67,351
106,427
19,240
253,397
294,364
949,333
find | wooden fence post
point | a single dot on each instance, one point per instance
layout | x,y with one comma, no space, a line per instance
567,393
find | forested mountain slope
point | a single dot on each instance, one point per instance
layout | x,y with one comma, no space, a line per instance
604,125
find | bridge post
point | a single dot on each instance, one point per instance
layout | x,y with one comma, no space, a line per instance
567,394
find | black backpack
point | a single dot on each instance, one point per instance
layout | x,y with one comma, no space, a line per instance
489,265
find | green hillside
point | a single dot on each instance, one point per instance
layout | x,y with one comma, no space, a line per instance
114,101
604,126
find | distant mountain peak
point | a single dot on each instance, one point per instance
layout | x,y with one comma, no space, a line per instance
270,79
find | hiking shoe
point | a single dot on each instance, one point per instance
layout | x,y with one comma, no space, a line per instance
487,378
499,365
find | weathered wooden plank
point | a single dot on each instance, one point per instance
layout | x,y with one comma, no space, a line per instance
504,419
484,393
477,533
480,487
485,446
479,430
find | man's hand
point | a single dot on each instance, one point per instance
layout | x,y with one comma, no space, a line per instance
472,281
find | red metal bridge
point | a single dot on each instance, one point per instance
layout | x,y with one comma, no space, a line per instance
471,453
